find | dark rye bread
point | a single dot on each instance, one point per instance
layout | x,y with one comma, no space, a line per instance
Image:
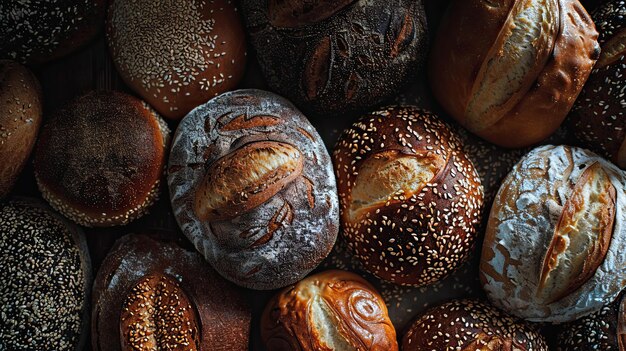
155,295
333,57
99,160
598,119
20,119
252,187
470,325
411,201
45,272
34,32
177,54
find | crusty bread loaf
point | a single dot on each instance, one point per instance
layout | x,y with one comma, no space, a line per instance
337,57
177,54
410,199
597,118
252,186
470,325
555,239
45,275
155,295
333,310
100,159
20,119
510,71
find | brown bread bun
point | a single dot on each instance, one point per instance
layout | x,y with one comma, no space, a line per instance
38,31
20,119
154,295
598,119
177,54
45,272
99,161
410,199
330,311
470,325
555,239
602,330
333,57
252,187
510,71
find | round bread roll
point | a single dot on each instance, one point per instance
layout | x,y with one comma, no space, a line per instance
45,272
555,240
38,31
510,71
252,186
20,119
597,119
333,57
177,54
470,325
602,330
332,310
410,199
155,295
99,161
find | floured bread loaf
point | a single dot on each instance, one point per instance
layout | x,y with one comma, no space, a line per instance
555,240
509,71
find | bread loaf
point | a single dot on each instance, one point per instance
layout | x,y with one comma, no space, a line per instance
555,239
510,71
410,199
252,187
333,310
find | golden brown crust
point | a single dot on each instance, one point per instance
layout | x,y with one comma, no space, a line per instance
216,308
470,325
544,69
410,198
20,119
99,160
330,311
190,50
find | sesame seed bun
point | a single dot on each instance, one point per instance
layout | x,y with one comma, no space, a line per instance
470,325
33,32
45,272
20,119
99,161
177,54
410,199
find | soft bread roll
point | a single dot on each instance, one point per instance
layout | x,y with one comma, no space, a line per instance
597,118
252,186
329,311
554,243
469,325
510,71
410,198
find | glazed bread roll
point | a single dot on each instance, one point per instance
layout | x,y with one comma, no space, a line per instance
510,71
334,310
410,199
602,330
20,119
252,187
554,244
177,54
333,57
34,32
470,325
155,295
100,159
45,272
597,118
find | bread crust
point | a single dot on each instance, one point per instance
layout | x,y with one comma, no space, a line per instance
524,229
264,242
